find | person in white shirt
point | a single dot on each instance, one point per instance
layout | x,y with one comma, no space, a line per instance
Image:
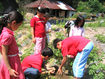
48,30
76,28
48,27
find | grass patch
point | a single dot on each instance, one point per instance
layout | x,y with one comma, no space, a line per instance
100,38
27,52
95,69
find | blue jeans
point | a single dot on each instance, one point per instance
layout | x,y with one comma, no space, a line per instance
31,73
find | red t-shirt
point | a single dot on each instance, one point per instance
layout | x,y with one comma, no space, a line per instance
73,45
39,26
34,61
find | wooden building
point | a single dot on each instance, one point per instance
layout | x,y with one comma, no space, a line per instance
55,8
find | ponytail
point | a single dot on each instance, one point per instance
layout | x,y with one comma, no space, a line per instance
8,18
3,21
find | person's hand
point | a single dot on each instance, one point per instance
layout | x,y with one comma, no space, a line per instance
52,70
59,71
70,56
13,73
49,30
34,40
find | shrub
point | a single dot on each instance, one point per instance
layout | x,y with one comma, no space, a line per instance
95,69
100,38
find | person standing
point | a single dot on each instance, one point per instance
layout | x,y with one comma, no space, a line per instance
76,28
48,28
10,67
37,24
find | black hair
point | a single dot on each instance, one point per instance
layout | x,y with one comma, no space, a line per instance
47,52
47,15
41,10
79,19
8,18
55,42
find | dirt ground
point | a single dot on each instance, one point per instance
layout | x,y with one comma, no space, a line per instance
90,34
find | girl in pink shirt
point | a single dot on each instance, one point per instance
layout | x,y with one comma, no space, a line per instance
10,67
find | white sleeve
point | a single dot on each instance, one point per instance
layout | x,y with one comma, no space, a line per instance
49,25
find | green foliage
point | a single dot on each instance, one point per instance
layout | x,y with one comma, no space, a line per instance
98,23
91,6
1,7
27,52
95,69
60,24
95,6
100,38
75,16
57,54
93,57
60,35
82,7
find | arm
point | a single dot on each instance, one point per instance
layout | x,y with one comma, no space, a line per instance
48,27
32,32
62,63
83,32
48,31
4,54
32,24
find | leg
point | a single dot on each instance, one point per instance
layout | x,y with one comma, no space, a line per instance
43,42
38,45
81,60
46,42
31,73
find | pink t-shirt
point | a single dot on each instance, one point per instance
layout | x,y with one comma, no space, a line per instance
39,26
7,38
73,45
34,61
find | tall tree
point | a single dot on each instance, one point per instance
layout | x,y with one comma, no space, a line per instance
9,5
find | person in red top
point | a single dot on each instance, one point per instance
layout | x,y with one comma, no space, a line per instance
37,24
32,64
76,47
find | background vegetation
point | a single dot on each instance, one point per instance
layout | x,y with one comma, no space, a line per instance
89,6
95,69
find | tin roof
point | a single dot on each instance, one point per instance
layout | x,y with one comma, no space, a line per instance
49,4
